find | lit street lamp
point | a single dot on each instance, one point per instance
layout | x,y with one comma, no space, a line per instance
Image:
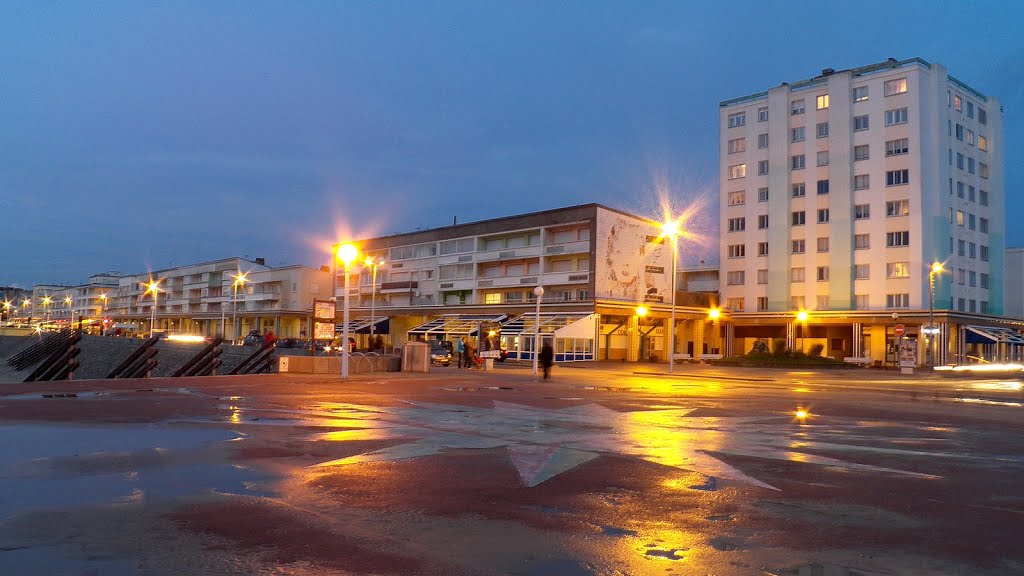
24,306
641,312
347,254
538,292
671,229
936,268
374,263
240,280
7,310
46,306
68,302
103,312
152,287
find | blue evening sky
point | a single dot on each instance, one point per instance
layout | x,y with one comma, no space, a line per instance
141,135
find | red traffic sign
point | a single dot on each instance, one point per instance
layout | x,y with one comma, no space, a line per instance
899,329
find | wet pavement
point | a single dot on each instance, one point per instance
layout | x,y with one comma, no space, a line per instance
604,470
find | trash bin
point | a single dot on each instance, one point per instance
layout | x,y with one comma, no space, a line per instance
416,357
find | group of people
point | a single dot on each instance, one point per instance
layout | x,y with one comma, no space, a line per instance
467,353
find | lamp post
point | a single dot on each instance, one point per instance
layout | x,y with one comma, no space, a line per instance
347,254
103,313
7,310
538,292
802,317
641,312
373,263
671,230
152,287
240,280
936,268
46,306
24,306
68,301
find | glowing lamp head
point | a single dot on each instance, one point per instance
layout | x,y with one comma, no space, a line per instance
802,316
47,300
714,313
641,311
67,300
936,267
347,253
670,229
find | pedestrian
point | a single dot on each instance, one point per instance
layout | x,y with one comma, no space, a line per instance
460,349
470,354
547,358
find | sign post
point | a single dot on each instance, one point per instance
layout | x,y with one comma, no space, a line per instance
324,321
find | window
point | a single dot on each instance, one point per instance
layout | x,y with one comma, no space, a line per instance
970,165
762,140
822,187
737,119
762,167
897,177
970,109
896,86
797,106
983,197
861,302
493,298
972,278
861,271
797,134
799,190
982,143
737,250
897,300
860,123
897,270
972,250
735,304
796,302
958,103
897,147
762,276
971,224
862,211
822,273
737,171
982,116
735,278
861,241
799,246
860,93
762,303
762,248
984,253
822,102
823,158
983,225
737,224
961,276
762,194
983,170
798,162
737,198
822,215
959,132
821,129
862,182
799,218
897,208
895,116
984,280
895,239
970,137
737,145
762,114
861,152
959,217
796,275
762,221
959,189
961,246
823,244
960,161
960,305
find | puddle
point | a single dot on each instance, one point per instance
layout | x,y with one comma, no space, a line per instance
722,518
67,466
724,545
654,551
710,485
49,560
815,569
614,531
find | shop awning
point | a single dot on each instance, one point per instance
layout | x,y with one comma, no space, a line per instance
560,324
992,335
455,325
361,325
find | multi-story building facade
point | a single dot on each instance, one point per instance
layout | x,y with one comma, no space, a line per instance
839,193
594,262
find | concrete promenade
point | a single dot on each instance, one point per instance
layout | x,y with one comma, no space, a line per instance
605,469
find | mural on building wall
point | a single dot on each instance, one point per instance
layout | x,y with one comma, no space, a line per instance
632,262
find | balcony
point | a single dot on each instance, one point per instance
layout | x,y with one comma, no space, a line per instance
509,254
579,276
403,287
567,248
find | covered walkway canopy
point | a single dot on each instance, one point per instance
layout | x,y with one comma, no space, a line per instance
998,343
574,335
361,325
451,326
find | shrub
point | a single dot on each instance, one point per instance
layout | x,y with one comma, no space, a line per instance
779,347
816,350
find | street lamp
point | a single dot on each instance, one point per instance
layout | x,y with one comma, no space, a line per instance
7,310
68,302
24,306
641,312
103,312
373,263
46,306
538,292
802,317
152,287
671,229
240,280
936,268
347,254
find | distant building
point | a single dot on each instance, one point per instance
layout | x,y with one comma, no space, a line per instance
1014,283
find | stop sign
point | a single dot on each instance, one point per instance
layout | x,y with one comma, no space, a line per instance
899,329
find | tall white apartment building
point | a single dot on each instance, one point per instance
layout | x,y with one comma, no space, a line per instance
839,193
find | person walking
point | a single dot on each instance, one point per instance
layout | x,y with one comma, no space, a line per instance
459,347
547,358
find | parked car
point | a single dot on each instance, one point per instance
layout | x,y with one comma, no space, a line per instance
253,338
440,354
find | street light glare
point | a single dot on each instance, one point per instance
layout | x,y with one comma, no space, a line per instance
936,267
670,229
802,316
714,313
641,311
347,253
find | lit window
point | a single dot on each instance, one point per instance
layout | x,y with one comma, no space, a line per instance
737,171
822,102
737,198
897,270
897,208
737,145
958,103
982,143
896,86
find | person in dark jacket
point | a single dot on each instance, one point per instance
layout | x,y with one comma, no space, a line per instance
547,358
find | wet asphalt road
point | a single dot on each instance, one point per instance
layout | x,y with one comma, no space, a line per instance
609,470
